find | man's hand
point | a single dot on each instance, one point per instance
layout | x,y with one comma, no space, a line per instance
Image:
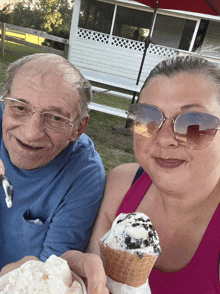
89,266
2,168
12,266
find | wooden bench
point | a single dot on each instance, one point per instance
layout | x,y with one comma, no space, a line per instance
107,109
107,82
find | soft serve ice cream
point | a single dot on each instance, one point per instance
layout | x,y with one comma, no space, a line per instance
53,277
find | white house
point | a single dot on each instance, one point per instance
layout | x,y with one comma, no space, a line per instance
107,39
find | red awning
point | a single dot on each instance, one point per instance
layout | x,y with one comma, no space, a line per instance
200,6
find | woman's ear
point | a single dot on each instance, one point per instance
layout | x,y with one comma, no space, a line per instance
76,133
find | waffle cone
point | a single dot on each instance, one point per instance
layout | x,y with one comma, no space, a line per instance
127,268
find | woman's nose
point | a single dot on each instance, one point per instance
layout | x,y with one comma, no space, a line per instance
165,136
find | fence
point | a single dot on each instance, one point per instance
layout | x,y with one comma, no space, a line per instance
5,27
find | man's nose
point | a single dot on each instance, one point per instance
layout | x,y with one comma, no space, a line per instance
34,126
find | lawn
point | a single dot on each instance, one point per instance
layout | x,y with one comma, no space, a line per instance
115,147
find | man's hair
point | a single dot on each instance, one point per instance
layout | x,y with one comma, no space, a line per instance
59,65
194,63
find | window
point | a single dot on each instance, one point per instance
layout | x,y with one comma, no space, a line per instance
173,31
132,24
187,34
96,16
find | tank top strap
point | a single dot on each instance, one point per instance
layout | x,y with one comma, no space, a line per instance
135,194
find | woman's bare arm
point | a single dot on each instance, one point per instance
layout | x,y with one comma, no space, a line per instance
118,183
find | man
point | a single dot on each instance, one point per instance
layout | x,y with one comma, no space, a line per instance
57,176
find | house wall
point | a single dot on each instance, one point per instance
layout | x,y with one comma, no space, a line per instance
114,64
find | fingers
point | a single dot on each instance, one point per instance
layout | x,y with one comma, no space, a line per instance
12,266
88,266
2,168
95,273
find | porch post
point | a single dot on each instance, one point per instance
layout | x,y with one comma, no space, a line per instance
74,23
194,35
113,23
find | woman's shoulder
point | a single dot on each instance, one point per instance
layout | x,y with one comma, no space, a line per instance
118,183
119,180
123,174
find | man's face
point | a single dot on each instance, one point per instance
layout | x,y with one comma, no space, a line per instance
29,144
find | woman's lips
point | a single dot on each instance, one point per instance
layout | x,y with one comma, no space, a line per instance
169,162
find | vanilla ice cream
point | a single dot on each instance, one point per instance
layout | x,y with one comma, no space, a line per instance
134,233
53,277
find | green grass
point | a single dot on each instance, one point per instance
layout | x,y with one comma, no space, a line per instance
26,50
115,147
26,37
113,101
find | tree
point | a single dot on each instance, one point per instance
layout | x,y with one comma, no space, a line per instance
52,17
5,10
27,15
57,20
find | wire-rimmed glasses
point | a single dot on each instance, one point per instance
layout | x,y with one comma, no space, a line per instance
22,111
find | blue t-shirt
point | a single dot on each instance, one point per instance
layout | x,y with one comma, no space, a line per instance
64,195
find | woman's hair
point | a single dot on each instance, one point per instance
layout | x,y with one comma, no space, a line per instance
194,63
58,65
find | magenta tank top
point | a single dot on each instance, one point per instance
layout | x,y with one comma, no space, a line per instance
200,276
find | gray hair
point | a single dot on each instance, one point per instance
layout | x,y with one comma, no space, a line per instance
194,63
59,64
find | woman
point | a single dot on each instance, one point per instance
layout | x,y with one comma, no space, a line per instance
177,143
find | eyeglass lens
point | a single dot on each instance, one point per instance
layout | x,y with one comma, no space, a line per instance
193,129
21,111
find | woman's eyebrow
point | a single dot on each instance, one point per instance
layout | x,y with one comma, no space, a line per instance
192,105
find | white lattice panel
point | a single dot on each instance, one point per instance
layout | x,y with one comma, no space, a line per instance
161,51
138,46
93,36
127,44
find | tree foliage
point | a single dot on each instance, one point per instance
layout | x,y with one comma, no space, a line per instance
26,16
51,16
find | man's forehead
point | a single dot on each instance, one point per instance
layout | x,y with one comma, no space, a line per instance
54,66
49,73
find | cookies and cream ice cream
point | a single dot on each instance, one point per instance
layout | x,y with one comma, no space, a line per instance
130,248
53,277
133,232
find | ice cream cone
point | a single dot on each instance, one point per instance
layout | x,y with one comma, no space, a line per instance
127,268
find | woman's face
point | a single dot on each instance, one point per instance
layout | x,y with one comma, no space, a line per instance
173,167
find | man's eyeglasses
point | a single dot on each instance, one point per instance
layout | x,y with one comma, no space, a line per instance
22,111
195,130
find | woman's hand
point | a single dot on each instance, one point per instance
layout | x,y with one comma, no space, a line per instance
89,266
14,265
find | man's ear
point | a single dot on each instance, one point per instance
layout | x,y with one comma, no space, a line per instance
76,133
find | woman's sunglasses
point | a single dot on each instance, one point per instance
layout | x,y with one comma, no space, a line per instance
195,130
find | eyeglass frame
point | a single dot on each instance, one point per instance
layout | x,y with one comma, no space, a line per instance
3,98
164,119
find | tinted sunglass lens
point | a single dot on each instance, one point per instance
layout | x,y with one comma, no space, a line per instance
196,130
147,119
